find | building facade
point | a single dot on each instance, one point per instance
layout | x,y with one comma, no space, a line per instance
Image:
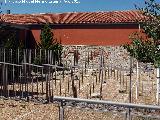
82,28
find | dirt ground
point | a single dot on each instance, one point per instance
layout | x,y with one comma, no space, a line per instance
20,110
113,89
16,110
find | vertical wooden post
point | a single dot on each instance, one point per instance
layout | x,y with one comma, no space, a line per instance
18,61
88,58
82,75
130,89
40,54
60,86
105,74
120,78
37,82
24,56
50,60
130,81
126,83
68,85
74,89
46,77
11,59
142,87
4,79
123,78
117,73
158,85
129,114
111,71
49,84
101,71
79,82
30,56
35,53
108,72
42,80
90,89
45,54
13,79
137,80
4,55
29,69
93,86
55,73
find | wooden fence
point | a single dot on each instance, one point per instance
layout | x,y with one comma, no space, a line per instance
90,72
78,71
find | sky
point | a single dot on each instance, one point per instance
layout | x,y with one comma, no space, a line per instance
60,6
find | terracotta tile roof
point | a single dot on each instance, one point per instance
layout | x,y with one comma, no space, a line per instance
75,18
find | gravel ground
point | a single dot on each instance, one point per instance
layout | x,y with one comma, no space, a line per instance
16,110
20,110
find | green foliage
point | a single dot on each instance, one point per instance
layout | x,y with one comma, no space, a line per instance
8,38
10,42
142,50
151,25
48,42
147,49
47,39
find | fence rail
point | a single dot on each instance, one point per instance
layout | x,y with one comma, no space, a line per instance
107,106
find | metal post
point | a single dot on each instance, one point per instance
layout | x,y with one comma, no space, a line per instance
129,114
61,111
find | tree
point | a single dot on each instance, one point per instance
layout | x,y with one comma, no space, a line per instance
151,25
148,49
46,37
49,42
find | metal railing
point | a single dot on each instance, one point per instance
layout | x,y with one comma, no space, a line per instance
129,109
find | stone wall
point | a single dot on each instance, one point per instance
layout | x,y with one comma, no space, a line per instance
115,56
